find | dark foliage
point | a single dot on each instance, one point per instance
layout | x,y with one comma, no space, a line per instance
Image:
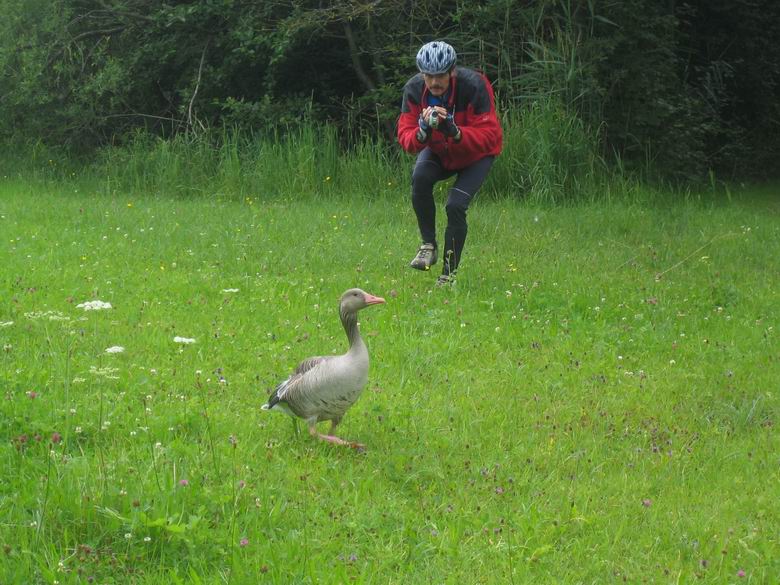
676,87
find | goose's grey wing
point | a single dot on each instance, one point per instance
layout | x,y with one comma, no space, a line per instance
308,364
291,390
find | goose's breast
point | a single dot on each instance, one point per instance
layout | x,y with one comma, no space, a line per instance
339,386
343,376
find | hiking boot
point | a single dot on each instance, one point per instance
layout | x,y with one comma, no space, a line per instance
445,280
426,257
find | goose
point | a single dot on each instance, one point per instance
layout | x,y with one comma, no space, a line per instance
323,388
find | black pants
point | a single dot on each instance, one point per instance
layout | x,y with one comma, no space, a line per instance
426,173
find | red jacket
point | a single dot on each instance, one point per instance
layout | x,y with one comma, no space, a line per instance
472,101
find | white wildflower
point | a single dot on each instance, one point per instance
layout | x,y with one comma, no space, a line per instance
105,372
94,305
50,315
178,339
229,290
115,349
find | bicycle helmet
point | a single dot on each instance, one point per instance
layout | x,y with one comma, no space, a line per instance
435,58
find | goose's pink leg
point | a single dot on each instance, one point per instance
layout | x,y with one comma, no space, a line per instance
331,438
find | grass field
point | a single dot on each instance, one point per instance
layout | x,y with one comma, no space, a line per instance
594,401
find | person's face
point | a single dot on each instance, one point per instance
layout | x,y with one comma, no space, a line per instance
437,84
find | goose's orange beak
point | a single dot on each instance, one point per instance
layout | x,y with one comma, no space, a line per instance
372,300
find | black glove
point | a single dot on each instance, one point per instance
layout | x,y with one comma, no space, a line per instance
448,127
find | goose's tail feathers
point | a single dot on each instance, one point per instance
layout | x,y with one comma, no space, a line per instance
273,400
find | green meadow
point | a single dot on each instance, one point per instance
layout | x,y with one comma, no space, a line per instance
594,401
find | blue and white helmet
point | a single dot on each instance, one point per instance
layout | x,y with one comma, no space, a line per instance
436,57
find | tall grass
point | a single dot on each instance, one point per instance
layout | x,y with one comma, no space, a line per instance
555,151
234,163
550,156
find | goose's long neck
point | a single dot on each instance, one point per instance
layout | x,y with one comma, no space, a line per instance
350,323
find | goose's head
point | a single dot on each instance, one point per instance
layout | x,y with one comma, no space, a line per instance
355,299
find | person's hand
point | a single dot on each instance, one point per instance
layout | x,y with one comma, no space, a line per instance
431,118
448,127
433,115
423,130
